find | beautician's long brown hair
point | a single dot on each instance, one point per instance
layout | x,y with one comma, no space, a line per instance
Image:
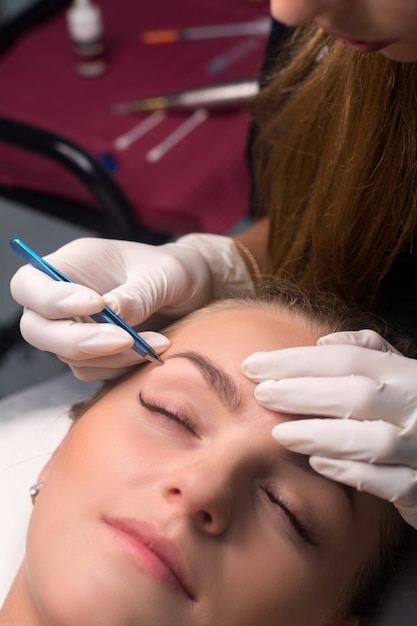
336,160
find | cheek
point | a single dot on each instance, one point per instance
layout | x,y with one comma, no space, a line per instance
101,461
264,583
405,52
96,472
94,464
105,451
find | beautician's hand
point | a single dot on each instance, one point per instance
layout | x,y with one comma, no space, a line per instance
359,377
135,280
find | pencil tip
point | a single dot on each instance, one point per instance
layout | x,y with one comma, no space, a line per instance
155,103
152,37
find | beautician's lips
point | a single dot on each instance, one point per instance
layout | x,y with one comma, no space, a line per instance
362,46
157,554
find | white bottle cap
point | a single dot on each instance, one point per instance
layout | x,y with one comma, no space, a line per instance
84,21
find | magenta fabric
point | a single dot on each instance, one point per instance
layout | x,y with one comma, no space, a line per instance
200,185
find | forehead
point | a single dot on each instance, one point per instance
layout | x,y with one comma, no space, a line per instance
238,332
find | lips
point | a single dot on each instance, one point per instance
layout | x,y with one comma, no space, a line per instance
360,45
156,554
364,46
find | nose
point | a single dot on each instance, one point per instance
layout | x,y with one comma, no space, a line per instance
210,489
294,12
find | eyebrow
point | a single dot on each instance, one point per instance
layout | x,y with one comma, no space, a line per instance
216,378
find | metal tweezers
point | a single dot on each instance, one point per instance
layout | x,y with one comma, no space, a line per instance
105,316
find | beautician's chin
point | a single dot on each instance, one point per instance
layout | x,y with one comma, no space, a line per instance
360,45
393,49
366,46
398,51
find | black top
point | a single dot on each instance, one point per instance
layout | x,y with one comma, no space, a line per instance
398,299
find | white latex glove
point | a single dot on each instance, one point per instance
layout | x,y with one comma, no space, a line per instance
359,377
135,280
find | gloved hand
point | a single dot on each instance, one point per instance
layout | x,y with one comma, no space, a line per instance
135,280
361,378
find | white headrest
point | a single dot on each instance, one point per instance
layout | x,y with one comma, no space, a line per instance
32,423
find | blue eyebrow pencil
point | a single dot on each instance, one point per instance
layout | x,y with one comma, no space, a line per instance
105,316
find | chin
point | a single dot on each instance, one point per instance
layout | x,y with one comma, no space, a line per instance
403,54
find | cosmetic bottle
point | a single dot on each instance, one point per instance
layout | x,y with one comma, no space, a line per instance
85,28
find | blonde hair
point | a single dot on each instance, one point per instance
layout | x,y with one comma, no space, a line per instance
336,164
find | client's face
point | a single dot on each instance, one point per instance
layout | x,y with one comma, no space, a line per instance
169,503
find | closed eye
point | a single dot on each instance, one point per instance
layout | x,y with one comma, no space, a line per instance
294,520
188,424
181,420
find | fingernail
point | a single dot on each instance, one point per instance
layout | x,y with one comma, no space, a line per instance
282,433
276,433
156,340
245,367
264,392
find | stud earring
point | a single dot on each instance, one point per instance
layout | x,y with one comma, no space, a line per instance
34,491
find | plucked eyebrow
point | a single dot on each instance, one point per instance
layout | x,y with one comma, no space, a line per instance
216,378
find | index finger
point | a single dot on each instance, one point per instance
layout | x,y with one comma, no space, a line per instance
319,361
51,299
